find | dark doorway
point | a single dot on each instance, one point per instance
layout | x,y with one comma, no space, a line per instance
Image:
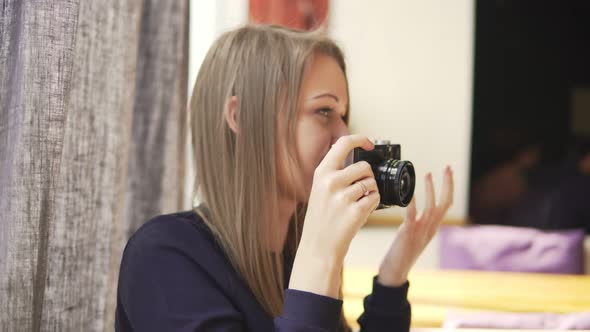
530,111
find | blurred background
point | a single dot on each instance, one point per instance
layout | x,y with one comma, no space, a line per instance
94,141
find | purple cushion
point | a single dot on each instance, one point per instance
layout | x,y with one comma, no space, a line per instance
519,249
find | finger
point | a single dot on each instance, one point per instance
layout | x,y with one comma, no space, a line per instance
446,200
429,198
355,191
367,204
411,210
446,197
334,159
356,172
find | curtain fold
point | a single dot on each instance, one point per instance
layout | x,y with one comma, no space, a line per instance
92,134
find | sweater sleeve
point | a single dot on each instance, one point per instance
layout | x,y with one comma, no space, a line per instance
305,311
386,309
163,288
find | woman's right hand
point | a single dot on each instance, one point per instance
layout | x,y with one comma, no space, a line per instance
341,199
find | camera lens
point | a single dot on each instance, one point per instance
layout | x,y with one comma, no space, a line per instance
406,185
396,181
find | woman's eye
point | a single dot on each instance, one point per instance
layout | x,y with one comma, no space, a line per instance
325,111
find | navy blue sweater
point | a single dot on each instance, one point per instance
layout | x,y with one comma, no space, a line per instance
175,277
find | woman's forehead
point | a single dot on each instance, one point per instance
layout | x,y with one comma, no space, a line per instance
324,78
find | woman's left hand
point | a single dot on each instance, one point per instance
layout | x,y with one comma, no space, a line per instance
415,233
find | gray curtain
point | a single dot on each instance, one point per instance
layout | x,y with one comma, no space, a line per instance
92,134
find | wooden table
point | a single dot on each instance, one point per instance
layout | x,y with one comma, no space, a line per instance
434,293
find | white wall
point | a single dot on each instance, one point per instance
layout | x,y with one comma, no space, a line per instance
410,72
209,19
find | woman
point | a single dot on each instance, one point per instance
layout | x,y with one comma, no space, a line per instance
264,250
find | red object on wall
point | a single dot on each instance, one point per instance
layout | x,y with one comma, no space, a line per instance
298,14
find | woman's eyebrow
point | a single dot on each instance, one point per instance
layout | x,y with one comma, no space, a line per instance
326,95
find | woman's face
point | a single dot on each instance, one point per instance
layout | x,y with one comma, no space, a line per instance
320,121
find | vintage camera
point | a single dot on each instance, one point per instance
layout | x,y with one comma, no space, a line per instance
396,178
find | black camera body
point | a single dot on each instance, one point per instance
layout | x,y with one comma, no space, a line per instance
395,178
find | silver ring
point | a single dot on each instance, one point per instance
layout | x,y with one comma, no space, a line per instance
364,189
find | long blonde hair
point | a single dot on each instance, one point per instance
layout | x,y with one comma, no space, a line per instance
236,173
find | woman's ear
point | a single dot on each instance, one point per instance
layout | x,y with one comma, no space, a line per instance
230,113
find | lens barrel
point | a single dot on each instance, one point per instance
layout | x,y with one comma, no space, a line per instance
396,181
